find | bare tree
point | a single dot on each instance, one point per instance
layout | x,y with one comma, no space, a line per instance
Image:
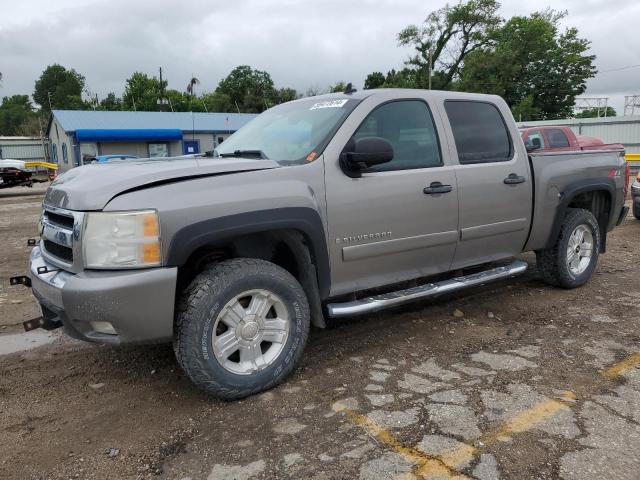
449,34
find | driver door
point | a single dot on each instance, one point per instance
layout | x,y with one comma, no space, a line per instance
386,226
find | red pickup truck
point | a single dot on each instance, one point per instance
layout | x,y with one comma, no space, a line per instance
556,138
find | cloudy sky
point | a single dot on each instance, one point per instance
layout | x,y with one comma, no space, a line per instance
303,44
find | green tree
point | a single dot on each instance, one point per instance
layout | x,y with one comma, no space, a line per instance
17,116
110,103
374,80
249,90
448,36
217,102
142,92
338,87
596,112
283,95
535,67
61,87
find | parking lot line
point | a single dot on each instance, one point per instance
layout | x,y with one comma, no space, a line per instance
426,466
528,419
625,365
444,465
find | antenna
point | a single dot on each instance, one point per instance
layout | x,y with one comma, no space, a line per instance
349,89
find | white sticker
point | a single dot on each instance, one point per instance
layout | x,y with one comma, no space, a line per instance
329,104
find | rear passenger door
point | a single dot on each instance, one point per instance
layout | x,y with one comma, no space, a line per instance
494,184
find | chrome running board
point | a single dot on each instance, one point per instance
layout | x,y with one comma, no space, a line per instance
386,300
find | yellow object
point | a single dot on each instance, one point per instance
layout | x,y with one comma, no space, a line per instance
151,253
632,157
151,228
51,166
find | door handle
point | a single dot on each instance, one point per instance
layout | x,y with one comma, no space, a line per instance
437,187
514,179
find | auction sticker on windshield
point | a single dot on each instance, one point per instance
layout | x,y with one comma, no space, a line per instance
329,104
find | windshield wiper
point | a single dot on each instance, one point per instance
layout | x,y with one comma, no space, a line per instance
245,153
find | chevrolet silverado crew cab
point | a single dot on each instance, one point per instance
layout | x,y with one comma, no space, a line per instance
322,207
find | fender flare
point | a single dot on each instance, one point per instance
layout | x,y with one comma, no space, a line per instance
573,190
218,230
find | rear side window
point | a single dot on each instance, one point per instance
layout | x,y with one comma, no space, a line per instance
479,131
557,138
409,127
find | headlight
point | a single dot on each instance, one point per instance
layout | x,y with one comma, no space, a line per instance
122,240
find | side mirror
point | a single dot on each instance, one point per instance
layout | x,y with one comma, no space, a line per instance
365,153
535,144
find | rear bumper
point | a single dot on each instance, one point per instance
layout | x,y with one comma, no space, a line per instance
139,304
635,193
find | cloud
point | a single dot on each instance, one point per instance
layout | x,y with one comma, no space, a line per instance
301,43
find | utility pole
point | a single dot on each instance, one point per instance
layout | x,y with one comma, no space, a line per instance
430,66
49,97
161,100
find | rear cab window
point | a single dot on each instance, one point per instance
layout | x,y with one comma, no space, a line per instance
479,131
557,138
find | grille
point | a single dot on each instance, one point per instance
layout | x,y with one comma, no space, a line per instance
59,220
63,253
57,235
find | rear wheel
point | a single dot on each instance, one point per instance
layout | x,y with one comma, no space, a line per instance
241,327
573,258
636,210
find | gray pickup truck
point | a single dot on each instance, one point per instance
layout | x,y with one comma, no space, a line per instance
322,207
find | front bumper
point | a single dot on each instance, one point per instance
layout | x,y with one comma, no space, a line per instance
139,304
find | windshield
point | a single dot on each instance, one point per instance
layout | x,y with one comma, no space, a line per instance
291,133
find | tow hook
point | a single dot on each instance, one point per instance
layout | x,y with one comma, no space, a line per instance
41,322
20,280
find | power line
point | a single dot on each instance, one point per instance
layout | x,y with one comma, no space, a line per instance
621,68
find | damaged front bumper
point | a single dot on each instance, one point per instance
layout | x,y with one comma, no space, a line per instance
134,306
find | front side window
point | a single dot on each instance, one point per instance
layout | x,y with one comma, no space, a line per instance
479,131
408,126
291,133
557,138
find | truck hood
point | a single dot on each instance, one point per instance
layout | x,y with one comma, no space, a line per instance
91,187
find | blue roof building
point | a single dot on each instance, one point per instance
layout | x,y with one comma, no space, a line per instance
77,136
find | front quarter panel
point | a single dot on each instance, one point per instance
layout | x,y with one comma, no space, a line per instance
198,212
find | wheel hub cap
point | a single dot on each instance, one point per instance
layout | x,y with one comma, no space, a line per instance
250,331
580,250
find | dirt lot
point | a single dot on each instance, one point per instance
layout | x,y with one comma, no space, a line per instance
514,380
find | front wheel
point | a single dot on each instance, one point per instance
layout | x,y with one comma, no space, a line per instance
241,327
636,210
573,258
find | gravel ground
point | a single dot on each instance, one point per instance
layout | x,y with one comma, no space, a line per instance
515,380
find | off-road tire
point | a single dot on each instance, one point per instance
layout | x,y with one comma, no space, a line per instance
552,262
199,307
636,210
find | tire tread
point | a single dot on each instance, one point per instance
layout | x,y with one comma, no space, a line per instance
186,344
